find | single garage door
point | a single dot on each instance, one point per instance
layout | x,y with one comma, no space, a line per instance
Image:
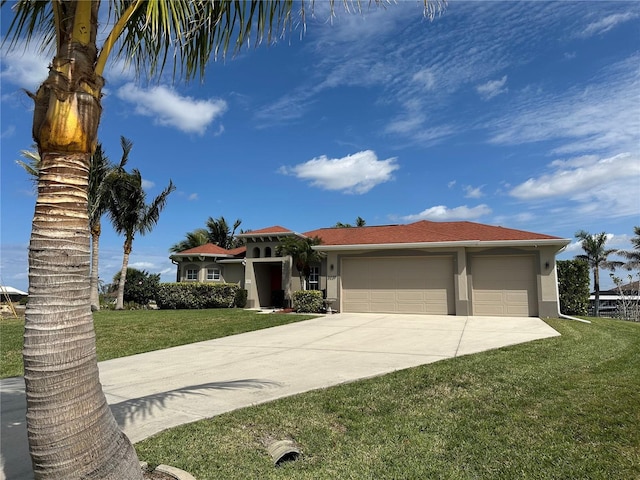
504,286
398,284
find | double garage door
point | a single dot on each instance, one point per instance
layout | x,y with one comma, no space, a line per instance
500,285
398,285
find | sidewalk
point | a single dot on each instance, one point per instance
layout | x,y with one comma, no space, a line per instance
154,391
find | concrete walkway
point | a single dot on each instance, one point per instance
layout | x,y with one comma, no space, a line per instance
154,391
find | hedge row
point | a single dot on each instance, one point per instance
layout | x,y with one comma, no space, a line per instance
183,295
573,286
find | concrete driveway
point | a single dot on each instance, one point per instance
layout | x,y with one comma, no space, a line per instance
154,391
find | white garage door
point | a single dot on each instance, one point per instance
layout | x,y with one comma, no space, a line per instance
398,284
504,286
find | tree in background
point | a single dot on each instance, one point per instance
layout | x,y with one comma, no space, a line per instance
220,234
633,256
194,239
597,257
83,438
140,286
130,214
303,255
360,222
573,286
217,232
31,163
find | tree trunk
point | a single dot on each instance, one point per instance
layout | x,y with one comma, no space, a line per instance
596,285
95,251
123,274
72,432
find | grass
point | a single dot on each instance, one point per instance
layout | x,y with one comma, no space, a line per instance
127,332
565,407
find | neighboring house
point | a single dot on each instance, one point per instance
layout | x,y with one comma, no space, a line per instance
611,299
11,294
210,263
454,268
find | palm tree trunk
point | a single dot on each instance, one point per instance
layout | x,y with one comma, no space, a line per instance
596,285
123,274
95,251
72,432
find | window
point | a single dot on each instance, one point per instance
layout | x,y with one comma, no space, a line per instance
213,274
192,274
267,252
256,252
314,279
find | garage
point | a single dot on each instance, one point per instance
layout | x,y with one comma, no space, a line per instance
398,284
504,286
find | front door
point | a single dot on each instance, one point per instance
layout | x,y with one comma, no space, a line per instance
277,294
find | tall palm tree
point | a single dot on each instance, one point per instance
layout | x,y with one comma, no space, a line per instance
303,255
59,339
99,171
130,215
596,256
220,233
633,256
200,236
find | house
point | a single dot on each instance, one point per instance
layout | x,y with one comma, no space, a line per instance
453,268
11,294
612,300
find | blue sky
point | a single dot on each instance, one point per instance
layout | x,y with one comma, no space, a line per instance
520,114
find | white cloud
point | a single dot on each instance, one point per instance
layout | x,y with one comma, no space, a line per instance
147,184
425,78
143,265
607,23
25,67
601,117
471,192
443,213
169,108
596,184
451,184
8,132
356,173
192,197
492,88
577,175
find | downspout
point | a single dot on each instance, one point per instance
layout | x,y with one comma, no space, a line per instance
177,264
569,317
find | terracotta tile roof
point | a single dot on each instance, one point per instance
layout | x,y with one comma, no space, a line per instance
422,232
212,249
238,252
266,231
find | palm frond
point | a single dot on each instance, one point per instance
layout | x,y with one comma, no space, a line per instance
31,20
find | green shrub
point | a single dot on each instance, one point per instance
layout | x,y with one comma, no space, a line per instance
172,296
140,286
307,301
573,286
241,298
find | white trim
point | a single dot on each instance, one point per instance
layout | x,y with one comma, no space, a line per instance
463,243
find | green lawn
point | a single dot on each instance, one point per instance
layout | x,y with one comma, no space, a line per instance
127,332
561,408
